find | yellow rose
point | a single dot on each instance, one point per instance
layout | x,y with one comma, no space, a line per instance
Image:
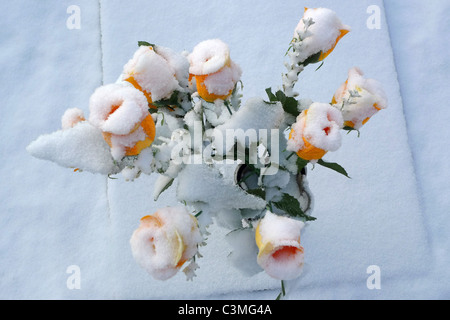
165,240
316,132
152,73
278,240
321,37
215,73
359,99
121,112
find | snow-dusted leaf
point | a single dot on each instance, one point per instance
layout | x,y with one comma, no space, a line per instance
162,184
291,206
81,147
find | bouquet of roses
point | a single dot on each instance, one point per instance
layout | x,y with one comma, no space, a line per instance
242,165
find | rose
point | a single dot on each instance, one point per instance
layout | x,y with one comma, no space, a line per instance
278,240
319,30
215,73
165,240
359,99
316,132
155,72
71,117
121,113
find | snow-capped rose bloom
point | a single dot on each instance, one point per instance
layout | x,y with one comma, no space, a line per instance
215,73
278,240
152,73
121,113
165,240
359,99
71,117
316,131
322,36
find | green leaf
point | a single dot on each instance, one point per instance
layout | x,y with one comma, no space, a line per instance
349,129
258,193
301,163
168,182
272,97
290,106
167,186
227,104
320,66
170,103
198,213
312,59
289,103
333,166
145,43
291,206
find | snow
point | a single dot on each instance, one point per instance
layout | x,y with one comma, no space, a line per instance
82,146
391,213
71,117
191,191
152,72
359,99
320,125
326,28
244,251
270,115
178,62
208,57
165,240
278,240
117,108
224,80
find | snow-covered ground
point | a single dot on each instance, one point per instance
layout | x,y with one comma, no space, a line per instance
393,213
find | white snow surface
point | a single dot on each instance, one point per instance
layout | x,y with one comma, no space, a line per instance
393,213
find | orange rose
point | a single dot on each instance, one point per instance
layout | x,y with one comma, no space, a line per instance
215,73
316,132
121,112
321,36
278,240
165,240
359,99
152,73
